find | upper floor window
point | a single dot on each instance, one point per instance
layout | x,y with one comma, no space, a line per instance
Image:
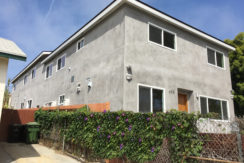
61,99
25,79
33,73
49,104
61,63
162,37
14,86
29,103
215,58
49,70
211,105
80,44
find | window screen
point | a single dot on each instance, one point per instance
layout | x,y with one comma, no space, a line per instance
144,99
203,102
214,106
155,34
157,100
211,56
169,40
220,59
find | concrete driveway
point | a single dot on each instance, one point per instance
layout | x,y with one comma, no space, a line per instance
35,153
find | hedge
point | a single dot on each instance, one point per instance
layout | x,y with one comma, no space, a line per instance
135,136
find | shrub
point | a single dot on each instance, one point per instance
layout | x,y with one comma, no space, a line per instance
136,136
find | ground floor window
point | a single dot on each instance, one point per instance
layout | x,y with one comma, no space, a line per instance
22,105
61,99
29,103
151,99
211,105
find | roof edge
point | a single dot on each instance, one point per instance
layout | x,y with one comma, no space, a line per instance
30,64
11,56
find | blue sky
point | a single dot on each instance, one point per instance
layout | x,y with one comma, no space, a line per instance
39,25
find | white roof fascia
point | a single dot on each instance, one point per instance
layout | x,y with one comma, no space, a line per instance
178,23
147,9
96,20
31,64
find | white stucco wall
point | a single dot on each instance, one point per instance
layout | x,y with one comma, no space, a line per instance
3,75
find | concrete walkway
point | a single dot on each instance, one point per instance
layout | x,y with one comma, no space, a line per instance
35,153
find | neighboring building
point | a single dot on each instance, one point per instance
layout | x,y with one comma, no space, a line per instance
138,59
8,50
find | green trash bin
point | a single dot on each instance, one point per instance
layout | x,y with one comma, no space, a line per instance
32,131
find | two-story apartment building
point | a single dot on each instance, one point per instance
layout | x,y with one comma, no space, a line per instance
138,59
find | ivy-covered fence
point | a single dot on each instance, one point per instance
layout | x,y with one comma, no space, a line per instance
127,135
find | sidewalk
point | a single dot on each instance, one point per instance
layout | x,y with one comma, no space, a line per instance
35,153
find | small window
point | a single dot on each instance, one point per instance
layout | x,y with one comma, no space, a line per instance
80,44
210,105
49,71
49,104
162,37
25,79
61,100
29,103
22,105
169,40
215,58
14,86
33,73
72,79
150,99
155,34
61,62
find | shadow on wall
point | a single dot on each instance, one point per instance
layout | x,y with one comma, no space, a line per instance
23,116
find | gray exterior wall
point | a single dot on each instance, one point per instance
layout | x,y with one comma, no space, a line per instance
186,68
122,40
101,59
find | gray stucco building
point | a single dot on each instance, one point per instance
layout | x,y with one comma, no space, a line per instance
138,59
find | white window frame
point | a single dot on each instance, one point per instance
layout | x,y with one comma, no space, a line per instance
64,55
59,100
151,96
14,86
25,82
35,73
215,56
162,36
214,98
27,104
46,71
83,38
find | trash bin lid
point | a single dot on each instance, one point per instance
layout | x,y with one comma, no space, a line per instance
33,124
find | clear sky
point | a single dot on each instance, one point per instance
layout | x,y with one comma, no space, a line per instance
42,25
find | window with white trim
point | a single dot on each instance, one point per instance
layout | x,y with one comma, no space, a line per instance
33,73
80,44
14,86
61,100
211,105
29,103
25,79
150,99
22,105
49,104
162,37
61,62
49,71
215,58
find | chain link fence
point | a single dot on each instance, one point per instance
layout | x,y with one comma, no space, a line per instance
221,142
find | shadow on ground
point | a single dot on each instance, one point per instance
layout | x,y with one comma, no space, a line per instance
14,151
